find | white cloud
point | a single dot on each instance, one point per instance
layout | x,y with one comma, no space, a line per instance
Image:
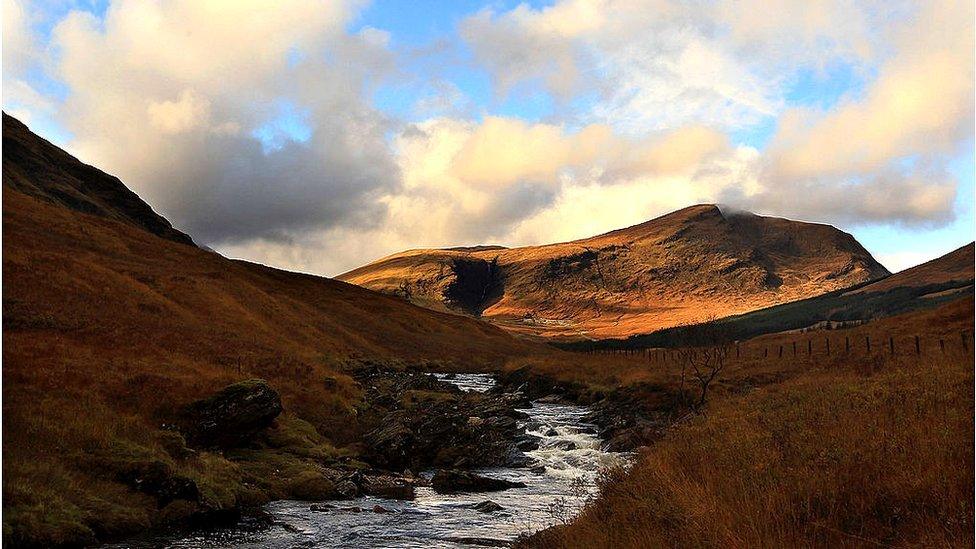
171,96
662,64
166,95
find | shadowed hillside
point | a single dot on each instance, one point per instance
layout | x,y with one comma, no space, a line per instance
39,169
679,268
112,324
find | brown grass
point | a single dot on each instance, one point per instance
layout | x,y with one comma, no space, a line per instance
871,450
109,330
668,271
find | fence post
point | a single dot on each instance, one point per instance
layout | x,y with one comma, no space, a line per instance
827,341
867,340
942,345
891,344
962,336
794,348
847,344
918,348
736,349
809,347
780,351
765,351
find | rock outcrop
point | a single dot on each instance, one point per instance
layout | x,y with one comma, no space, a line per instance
422,422
232,415
448,481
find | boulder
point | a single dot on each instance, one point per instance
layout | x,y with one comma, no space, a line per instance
232,416
527,443
347,489
448,481
565,445
158,480
380,509
311,486
388,487
487,506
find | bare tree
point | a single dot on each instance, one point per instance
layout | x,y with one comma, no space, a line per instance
703,355
703,365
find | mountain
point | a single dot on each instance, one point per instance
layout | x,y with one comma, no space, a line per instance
934,283
113,324
680,268
62,216
37,168
955,266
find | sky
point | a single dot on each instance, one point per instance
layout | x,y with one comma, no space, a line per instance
320,135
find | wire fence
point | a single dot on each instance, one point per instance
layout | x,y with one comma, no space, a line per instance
819,346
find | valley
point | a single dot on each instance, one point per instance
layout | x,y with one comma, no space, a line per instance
156,392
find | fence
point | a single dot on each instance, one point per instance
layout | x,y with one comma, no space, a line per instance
823,346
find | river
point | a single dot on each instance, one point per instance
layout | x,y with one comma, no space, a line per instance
568,459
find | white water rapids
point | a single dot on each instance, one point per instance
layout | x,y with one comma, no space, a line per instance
569,459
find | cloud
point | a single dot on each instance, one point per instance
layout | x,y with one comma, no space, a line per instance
921,196
662,64
252,125
881,157
170,96
20,52
921,103
501,151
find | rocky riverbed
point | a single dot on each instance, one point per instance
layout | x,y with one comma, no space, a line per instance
451,460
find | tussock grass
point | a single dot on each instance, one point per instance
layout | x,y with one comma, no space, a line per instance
873,453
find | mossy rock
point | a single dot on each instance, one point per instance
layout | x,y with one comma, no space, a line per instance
232,416
311,486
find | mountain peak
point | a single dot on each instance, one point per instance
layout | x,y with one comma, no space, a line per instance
678,268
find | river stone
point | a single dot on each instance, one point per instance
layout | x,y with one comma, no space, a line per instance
448,481
388,486
527,443
487,506
566,445
158,480
231,416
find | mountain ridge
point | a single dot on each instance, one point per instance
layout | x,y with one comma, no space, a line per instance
664,271
38,168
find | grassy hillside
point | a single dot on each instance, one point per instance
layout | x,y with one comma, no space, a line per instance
109,330
859,450
926,286
667,271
